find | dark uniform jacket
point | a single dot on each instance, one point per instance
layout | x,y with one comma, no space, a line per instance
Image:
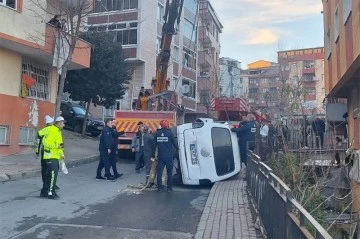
116,135
164,140
148,144
246,133
106,139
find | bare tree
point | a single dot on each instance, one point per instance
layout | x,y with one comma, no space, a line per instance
66,34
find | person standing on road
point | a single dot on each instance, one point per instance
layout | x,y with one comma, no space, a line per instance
137,145
40,149
53,152
148,145
246,135
105,147
164,142
114,148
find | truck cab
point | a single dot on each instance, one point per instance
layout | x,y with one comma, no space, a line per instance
209,152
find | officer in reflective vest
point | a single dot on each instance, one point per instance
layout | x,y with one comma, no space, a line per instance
53,152
40,148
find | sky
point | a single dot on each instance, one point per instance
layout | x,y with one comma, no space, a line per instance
257,29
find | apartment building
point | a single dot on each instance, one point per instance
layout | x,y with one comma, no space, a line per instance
137,26
234,82
342,59
209,31
264,85
304,69
28,80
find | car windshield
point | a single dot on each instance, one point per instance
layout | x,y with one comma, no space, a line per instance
79,111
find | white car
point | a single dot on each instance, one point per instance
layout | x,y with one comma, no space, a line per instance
208,152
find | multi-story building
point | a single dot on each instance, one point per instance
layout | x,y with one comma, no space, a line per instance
304,70
342,59
28,80
264,85
209,32
137,26
234,82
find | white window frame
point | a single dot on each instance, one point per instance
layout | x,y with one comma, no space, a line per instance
192,89
347,9
336,24
160,13
4,3
41,74
6,135
29,131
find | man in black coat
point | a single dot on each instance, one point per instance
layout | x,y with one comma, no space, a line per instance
105,147
319,128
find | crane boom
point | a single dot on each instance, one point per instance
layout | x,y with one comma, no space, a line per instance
172,16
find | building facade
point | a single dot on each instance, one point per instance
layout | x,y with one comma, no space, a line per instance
28,80
209,31
304,69
137,26
342,59
264,85
234,82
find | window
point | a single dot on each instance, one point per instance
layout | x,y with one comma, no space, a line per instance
311,90
204,97
40,89
175,82
309,64
191,5
192,88
347,7
328,42
189,59
264,80
264,90
223,151
310,104
8,3
125,34
253,81
176,54
241,80
26,136
336,24
160,13
158,45
4,133
189,30
114,5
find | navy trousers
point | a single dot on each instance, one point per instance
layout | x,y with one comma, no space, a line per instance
169,168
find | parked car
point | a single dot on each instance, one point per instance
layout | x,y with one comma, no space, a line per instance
74,115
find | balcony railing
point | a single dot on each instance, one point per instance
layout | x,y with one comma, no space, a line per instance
204,59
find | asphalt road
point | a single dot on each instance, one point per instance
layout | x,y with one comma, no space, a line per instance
98,209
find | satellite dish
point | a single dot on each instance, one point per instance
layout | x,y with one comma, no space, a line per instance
185,89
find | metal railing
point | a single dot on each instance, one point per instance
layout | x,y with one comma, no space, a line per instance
281,215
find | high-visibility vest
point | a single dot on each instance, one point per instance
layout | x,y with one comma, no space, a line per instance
41,134
53,143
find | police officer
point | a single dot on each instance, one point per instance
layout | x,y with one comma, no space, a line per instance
40,149
164,142
246,135
105,147
53,152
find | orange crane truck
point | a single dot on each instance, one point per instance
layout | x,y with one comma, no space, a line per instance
165,103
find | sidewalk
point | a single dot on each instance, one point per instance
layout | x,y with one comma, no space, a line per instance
78,150
228,213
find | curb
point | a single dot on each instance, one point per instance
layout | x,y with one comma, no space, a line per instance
4,177
205,214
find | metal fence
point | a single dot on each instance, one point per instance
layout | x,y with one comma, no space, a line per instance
281,215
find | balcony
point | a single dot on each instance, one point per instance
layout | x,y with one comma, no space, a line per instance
204,36
309,78
42,48
205,59
309,70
